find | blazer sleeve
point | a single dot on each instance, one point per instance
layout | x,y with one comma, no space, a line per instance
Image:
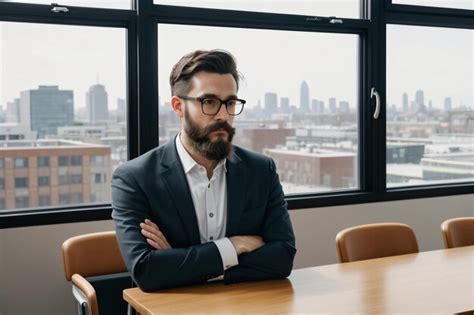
155,269
274,259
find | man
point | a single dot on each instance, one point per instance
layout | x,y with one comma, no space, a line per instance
198,208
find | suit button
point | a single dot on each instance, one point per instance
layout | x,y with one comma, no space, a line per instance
211,214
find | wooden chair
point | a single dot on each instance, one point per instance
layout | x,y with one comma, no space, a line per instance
95,266
375,241
458,232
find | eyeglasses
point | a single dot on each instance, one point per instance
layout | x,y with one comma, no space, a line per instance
212,105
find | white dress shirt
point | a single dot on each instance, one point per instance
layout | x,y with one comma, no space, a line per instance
210,203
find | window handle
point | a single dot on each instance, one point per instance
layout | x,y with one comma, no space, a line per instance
377,102
57,8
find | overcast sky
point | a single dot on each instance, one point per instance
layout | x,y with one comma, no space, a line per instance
439,61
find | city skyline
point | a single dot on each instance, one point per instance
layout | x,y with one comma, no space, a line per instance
107,61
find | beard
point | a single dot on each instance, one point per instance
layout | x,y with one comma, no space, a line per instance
211,150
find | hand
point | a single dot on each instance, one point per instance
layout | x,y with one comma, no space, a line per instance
153,235
246,243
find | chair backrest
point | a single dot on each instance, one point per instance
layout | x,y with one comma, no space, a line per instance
375,241
458,232
97,257
92,255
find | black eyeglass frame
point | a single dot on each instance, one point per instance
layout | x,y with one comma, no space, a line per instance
202,99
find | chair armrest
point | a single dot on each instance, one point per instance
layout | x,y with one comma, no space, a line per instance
87,290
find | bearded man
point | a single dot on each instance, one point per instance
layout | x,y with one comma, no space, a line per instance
198,208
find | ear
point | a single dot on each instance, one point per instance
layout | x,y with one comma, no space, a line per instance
177,104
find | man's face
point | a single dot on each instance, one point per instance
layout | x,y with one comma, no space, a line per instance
211,135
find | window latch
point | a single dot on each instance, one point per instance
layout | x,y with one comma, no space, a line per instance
331,19
58,9
335,21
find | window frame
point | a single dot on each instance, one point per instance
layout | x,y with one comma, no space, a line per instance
141,23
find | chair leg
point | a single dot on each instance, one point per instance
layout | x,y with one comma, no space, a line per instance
131,310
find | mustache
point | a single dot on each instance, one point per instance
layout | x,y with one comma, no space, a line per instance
217,126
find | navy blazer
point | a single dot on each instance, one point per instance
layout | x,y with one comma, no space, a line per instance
154,186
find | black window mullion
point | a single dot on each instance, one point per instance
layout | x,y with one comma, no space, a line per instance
147,77
378,168
132,93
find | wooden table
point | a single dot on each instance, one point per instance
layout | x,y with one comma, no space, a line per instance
439,282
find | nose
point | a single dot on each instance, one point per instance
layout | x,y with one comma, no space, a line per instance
222,114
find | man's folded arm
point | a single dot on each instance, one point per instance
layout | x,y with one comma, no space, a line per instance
155,269
274,259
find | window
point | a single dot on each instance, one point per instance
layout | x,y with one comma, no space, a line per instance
63,179
72,198
44,201
21,162
317,111
76,160
2,203
97,178
2,183
76,179
307,80
63,199
22,202
97,160
75,198
82,87
21,182
63,160
43,181
43,161
430,128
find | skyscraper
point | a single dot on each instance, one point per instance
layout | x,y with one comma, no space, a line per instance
97,104
448,104
13,111
284,104
121,109
315,106
271,102
419,99
405,103
46,109
344,106
304,97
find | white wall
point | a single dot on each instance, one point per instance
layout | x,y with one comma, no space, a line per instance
32,270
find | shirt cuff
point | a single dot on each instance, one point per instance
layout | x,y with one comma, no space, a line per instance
228,253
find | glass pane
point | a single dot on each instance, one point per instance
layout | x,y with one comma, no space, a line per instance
340,8
430,97
62,99
456,4
299,110
113,4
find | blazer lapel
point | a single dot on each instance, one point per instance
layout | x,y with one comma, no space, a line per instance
235,193
178,188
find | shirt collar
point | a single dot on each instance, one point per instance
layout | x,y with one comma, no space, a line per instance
188,162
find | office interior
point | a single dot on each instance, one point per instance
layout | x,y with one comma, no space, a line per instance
413,163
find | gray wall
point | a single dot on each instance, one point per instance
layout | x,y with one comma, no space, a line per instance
31,269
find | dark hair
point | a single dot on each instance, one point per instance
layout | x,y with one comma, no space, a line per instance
214,61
